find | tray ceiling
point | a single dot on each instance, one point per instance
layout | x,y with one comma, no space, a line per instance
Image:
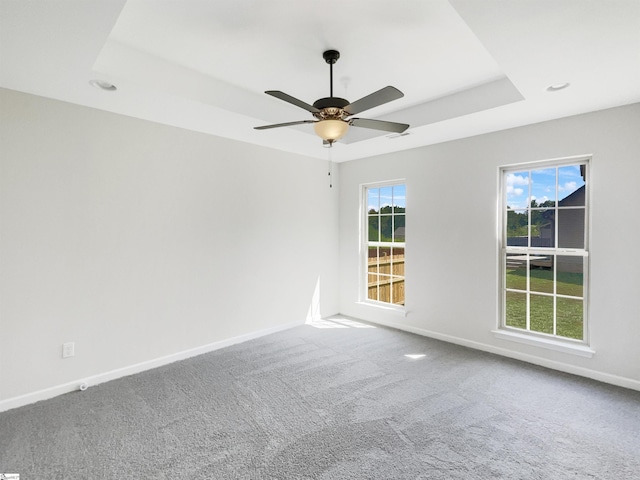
465,67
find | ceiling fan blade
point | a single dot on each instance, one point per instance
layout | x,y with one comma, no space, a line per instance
382,96
276,125
292,100
379,125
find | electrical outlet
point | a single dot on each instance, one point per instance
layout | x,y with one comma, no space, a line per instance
68,349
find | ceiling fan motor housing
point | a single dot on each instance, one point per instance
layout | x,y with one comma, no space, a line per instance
331,108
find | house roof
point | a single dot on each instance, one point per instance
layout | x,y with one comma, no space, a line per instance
576,198
466,67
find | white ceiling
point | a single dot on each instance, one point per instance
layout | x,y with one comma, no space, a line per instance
466,67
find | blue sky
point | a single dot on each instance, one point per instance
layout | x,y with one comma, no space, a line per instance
540,185
392,195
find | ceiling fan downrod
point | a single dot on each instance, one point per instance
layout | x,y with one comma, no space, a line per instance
331,57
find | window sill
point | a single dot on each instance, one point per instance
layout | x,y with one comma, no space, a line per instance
548,343
401,311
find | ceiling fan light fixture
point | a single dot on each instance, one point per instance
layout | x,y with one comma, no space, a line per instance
331,130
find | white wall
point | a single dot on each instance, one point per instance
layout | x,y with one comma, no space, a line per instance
452,257
137,241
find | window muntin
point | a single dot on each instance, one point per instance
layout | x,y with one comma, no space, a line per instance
385,225
544,249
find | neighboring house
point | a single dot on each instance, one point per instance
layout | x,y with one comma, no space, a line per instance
571,228
572,222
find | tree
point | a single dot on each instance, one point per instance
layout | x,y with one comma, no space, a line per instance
541,214
390,219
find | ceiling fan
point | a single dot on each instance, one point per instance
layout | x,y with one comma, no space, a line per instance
334,115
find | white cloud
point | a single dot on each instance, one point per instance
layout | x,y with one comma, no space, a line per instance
513,179
516,192
568,186
543,199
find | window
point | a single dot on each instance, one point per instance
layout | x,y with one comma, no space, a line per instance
384,234
544,249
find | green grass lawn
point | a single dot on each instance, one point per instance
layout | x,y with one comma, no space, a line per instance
569,314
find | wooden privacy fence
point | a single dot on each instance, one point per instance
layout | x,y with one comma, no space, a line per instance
386,275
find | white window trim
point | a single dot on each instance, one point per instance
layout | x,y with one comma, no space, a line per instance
552,342
364,249
529,338
395,309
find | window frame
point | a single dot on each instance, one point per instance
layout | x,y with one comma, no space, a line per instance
525,335
365,244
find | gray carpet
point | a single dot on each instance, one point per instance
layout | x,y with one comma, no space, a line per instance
332,403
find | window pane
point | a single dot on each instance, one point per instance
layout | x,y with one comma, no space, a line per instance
571,185
516,272
571,228
541,313
374,234
372,277
373,260
543,187
373,201
569,317
516,309
384,288
570,276
372,290
541,273
386,227
543,228
384,260
517,189
386,198
398,261
399,198
517,228
398,228
397,290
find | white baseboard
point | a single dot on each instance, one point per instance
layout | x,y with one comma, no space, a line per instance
625,382
74,385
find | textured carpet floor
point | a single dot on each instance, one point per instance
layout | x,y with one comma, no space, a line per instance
332,403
